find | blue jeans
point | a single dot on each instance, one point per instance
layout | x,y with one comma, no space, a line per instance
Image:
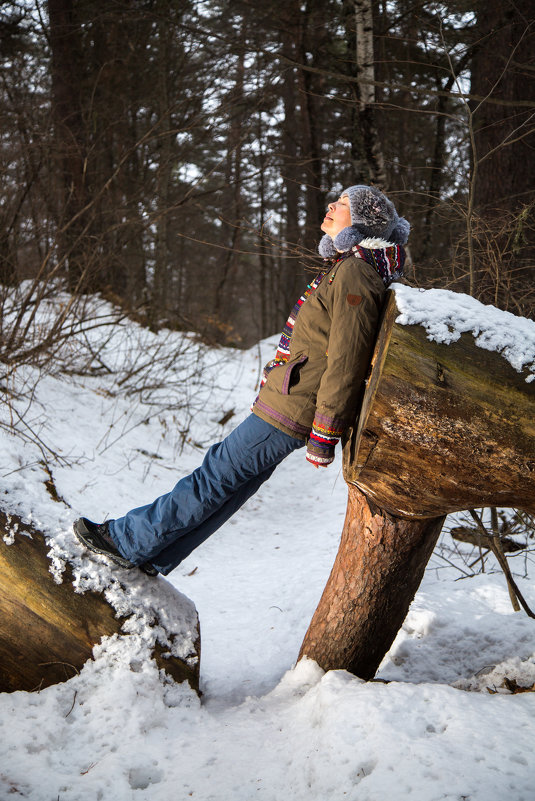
166,531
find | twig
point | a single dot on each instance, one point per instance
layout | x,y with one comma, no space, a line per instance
502,561
73,702
499,545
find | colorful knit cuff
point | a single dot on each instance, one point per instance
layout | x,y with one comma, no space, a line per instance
320,449
321,461
328,427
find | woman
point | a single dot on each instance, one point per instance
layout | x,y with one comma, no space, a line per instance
309,392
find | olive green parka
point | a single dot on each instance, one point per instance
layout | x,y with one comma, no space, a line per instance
317,385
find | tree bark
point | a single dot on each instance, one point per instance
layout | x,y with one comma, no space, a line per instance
291,163
503,171
69,134
161,293
311,42
365,60
47,630
232,199
379,567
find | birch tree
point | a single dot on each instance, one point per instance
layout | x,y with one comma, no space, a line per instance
365,62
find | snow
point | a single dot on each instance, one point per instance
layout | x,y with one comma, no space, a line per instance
265,727
446,315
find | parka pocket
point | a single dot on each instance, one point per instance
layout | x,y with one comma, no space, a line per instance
291,376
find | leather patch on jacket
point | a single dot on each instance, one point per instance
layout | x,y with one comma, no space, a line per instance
354,300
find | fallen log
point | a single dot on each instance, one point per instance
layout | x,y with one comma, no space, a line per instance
442,428
48,630
474,537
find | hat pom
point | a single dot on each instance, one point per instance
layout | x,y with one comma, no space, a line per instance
400,232
326,248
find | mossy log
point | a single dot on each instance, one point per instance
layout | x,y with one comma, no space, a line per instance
442,428
47,630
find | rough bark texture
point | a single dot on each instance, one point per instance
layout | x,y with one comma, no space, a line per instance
379,566
47,631
504,135
442,427
365,59
69,135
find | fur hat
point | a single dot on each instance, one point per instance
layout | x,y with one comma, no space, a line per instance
373,215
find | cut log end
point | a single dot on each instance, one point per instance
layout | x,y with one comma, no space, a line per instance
442,428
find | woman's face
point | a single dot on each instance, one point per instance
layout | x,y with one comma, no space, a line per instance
337,218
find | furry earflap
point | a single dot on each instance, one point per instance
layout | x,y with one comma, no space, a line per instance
326,249
347,237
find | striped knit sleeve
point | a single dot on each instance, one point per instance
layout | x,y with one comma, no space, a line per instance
326,432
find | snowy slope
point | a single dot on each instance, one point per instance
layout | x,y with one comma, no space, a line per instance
265,729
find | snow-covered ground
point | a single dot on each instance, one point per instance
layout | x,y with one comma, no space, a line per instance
265,729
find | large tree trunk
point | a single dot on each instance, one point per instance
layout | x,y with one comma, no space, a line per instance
69,135
48,630
366,73
379,567
503,164
291,163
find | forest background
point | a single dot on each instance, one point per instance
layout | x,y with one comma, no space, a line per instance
177,157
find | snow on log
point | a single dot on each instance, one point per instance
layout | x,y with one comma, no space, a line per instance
447,423
52,613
